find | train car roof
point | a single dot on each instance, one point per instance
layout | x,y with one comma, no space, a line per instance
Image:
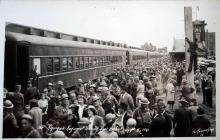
141,51
38,40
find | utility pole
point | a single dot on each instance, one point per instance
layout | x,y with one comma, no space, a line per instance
189,35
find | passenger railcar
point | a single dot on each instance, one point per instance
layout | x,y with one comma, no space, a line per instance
56,59
47,56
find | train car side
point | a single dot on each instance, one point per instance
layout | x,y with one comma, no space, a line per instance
65,60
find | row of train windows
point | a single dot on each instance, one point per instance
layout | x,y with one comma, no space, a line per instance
58,64
139,57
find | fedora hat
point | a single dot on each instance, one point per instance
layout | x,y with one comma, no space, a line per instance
80,81
60,83
50,84
64,96
95,98
145,101
27,117
8,104
183,101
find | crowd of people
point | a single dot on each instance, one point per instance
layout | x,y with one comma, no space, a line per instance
134,101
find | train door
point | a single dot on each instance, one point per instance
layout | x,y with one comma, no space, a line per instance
10,65
127,58
22,65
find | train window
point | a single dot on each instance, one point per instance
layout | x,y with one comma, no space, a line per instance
49,62
98,60
120,58
81,62
94,61
86,60
36,65
56,62
105,60
90,61
64,64
77,62
102,60
70,63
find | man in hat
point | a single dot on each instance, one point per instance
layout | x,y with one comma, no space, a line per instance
161,108
97,104
63,114
115,89
18,102
142,114
31,93
51,92
103,78
124,114
80,88
182,120
10,126
126,98
109,102
160,127
91,94
60,89
209,91
73,99
201,124
108,132
27,129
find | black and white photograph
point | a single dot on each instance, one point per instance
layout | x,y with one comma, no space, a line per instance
109,69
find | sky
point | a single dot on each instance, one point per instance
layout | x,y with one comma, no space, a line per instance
132,22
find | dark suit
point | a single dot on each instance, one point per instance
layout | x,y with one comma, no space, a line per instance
182,122
31,93
199,124
168,124
204,84
157,126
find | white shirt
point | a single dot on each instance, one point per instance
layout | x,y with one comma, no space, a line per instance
91,123
80,111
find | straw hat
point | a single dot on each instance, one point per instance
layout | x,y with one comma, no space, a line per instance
145,101
50,84
8,104
64,96
60,83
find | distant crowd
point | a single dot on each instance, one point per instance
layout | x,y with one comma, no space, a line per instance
152,99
